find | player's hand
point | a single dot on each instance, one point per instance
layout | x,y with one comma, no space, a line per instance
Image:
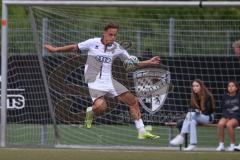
50,48
154,60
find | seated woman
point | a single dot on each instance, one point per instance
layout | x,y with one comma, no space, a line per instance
202,108
230,115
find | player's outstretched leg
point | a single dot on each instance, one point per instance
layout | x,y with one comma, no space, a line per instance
131,100
99,107
144,132
89,117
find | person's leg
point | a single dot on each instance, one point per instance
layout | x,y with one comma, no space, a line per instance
186,123
134,110
195,119
124,95
193,136
185,129
193,132
98,108
221,125
198,118
129,99
237,148
231,125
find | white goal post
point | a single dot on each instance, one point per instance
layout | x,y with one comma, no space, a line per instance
199,3
4,31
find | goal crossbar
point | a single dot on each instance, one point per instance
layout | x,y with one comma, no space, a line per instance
126,3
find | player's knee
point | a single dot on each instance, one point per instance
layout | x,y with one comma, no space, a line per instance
99,110
100,107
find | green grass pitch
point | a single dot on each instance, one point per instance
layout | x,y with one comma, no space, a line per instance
77,154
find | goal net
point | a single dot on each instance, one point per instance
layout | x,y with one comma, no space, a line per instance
191,43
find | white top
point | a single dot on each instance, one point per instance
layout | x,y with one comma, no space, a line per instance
100,59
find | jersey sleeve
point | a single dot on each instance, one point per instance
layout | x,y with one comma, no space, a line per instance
85,45
125,55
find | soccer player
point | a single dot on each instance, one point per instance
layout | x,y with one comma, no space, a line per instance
98,75
202,108
230,115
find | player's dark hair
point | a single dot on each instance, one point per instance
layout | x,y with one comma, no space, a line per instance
111,25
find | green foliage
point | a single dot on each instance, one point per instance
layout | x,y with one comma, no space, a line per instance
16,12
20,12
154,24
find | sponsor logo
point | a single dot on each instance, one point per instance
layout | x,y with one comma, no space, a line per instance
14,100
152,86
103,59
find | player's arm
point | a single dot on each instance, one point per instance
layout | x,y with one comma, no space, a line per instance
153,60
67,48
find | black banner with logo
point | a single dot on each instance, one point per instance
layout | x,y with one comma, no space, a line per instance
27,100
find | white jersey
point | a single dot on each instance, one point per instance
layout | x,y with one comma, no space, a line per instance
100,59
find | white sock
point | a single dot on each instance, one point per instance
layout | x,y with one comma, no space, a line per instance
140,126
89,109
221,144
232,145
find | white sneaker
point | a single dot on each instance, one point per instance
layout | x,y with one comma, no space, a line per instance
177,140
220,148
237,148
230,149
190,148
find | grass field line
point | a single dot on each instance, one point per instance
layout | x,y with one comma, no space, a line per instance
108,148
131,148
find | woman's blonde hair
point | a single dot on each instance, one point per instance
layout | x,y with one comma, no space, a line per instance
198,100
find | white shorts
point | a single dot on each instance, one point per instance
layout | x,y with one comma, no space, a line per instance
111,88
